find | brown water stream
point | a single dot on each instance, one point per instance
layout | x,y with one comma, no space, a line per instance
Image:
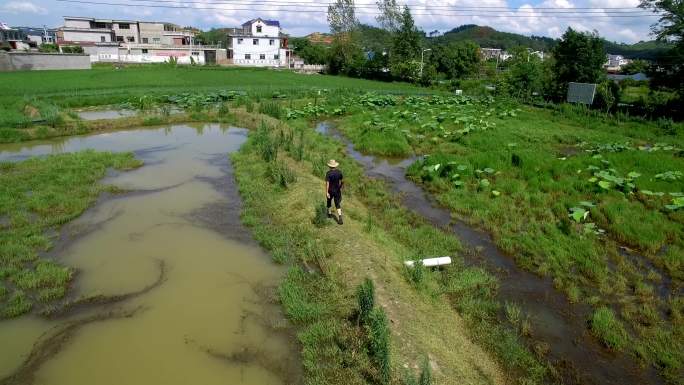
577,355
210,318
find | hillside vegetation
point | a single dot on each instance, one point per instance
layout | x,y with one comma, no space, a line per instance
489,37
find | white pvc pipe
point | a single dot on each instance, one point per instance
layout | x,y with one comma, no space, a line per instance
431,262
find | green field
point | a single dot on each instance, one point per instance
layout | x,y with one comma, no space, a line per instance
592,201
50,91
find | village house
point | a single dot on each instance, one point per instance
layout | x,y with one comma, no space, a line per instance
136,41
615,62
13,38
258,42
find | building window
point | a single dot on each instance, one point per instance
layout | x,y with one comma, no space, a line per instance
156,40
276,57
258,29
145,40
195,53
262,56
240,41
124,26
102,39
118,38
271,42
130,39
248,56
144,51
99,25
255,41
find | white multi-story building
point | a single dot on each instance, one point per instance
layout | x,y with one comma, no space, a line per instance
258,42
615,62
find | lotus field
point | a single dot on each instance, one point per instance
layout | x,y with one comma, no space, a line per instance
594,202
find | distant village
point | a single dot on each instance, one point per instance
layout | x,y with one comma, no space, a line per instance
257,42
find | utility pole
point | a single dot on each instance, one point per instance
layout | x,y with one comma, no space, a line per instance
421,60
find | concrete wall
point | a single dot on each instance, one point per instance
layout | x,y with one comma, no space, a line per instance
75,23
87,36
153,32
100,53
131,32
22,61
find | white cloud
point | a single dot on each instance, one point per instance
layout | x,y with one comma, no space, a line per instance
23,7
519,16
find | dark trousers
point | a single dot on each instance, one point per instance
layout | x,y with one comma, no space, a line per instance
337,197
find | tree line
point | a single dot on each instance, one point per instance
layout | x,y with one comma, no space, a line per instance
399,51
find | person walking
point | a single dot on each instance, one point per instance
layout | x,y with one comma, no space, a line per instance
333,189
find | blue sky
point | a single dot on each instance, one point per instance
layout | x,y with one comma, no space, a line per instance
623,29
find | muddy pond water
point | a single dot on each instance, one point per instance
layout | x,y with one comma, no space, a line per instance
191,293
557,324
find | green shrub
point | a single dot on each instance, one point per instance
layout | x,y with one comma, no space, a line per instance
270,108
280,174
379,343
320,218
365,295
608,328
417,273
223,110
268,147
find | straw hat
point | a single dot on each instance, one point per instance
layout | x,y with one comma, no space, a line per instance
333,163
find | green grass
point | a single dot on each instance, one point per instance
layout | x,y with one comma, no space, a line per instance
49,91
38,195
538,165
609,329
324,306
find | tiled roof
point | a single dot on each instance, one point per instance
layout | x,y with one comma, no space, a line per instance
273,23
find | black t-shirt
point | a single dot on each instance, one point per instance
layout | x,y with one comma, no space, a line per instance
334,178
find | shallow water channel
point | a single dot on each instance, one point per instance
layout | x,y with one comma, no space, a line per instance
200,309
559,325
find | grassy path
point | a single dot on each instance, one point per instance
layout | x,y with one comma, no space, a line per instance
419,324
281,193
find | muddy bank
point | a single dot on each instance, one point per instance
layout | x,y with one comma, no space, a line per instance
557,326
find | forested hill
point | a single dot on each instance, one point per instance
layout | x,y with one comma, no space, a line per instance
489,37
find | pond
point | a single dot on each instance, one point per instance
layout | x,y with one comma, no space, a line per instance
188,295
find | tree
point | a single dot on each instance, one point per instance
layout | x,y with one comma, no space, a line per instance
579,57
635,66
342,17
390,17
311,53
670,27
456,59
345,53
213,36
406,44
525,74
